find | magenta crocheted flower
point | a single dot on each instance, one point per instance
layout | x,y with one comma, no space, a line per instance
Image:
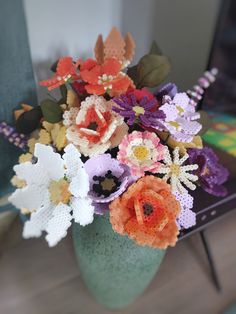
141,151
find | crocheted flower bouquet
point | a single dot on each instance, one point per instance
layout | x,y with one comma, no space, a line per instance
108,144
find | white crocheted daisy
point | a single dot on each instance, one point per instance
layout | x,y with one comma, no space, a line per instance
176,172
55,192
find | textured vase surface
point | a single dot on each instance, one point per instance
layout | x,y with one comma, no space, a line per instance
115,270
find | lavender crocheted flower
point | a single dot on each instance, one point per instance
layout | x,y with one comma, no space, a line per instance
108,179
18,139
180,116
138,106
211,174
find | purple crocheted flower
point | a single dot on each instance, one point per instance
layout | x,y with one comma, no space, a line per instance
211,174
108,179
138,106
168,89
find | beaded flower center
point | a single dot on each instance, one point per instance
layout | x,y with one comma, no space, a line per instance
138,110
106,81
180,109
106,185
174,124
141,152
149,210
59,191
93,126
66,78
175,169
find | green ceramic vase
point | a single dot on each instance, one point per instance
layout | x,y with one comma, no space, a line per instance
115,270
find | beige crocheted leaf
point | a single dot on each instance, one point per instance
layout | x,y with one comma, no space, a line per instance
114,45
72,99
129,47
99,50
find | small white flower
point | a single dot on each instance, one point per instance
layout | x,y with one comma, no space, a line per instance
56,192
178,173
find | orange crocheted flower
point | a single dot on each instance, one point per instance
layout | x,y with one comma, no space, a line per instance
66,71
147,213
104,78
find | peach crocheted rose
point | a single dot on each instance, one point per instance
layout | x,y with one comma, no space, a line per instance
94,127
147,213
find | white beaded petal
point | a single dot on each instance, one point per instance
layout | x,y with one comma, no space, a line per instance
31,173
72,160
83,211
30,197
38,221
79,185
58,224
51,161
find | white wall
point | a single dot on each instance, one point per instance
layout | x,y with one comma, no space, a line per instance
182,28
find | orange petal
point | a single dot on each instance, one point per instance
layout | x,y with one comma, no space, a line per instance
88,64
91,76
120,85
95,89
111,67
64,66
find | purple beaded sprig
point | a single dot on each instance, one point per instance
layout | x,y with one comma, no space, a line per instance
18,139
204,82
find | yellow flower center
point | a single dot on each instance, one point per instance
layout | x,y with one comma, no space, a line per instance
181,110
59,191
138,110
108,184
175,169
174,124
141,153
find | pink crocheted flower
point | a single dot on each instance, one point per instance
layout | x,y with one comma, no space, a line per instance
141,151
